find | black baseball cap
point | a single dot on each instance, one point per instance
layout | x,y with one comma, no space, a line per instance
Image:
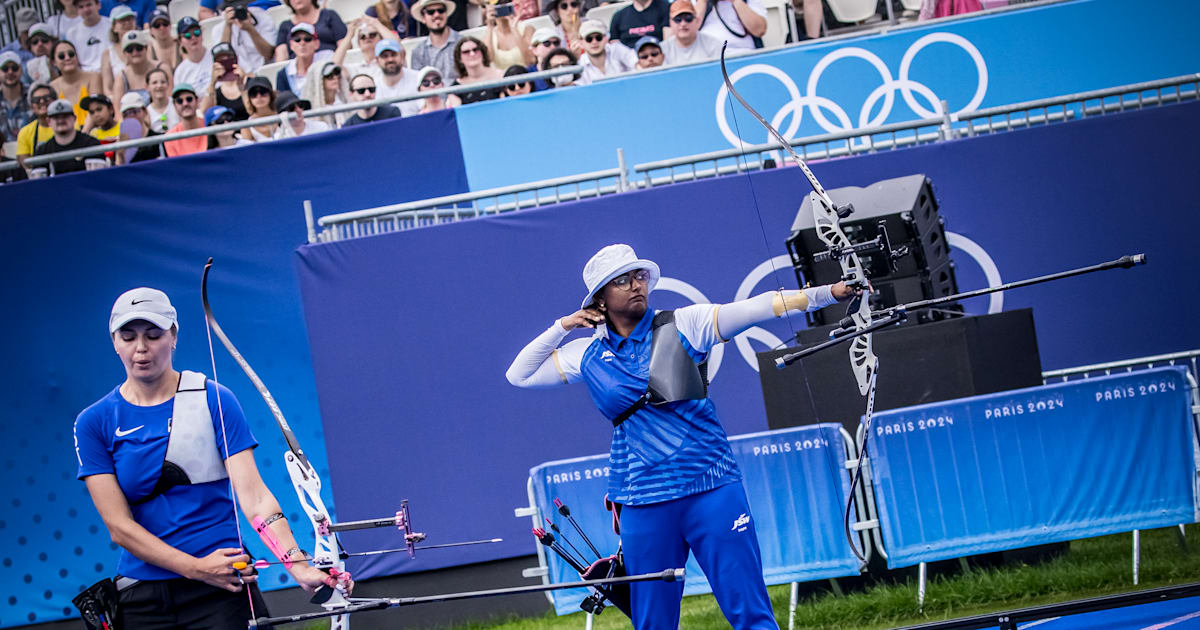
87,101
287,100
259,82
186,23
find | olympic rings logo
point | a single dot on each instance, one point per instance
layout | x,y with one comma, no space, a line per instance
793,111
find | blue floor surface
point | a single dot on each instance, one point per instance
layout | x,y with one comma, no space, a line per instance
1176,614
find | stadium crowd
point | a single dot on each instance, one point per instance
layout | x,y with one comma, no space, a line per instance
101,71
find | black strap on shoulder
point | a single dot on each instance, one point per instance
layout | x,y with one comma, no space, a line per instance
661,318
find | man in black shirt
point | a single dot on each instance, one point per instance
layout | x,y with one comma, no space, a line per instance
362,89
642,18
62,120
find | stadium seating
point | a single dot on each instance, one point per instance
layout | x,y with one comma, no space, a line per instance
270,70
852,11
279,14
209,26
409,44
180,8
541,21
911,5
781,23
349,9
604,12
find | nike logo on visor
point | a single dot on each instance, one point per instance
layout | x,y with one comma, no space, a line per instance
121,433
136,302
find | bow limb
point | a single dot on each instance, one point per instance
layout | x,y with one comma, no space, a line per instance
327,548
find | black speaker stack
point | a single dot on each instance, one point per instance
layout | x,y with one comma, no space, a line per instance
908,210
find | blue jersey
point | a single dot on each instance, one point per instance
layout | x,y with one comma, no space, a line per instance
662,452
116,437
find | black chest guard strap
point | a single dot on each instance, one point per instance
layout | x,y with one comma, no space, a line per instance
674,376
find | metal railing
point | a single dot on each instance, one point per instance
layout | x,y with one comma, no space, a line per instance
44,160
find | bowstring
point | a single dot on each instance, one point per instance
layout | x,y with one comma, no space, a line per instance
225,439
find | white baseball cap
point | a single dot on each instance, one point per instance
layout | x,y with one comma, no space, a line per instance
592,27
132,100
543,34
120,12
143,303
610,262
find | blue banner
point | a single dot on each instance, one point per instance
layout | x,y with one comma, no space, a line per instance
795,481
1033,466
75,242
830,85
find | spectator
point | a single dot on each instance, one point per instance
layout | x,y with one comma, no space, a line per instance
26,18
323,24
742,23
66,137
603,57
90,35
332,89
142,9
396,14
814,15
102,120
159,109
73,83
135,123
473,63
163,48
365,32
507,41
15,110
218,115
642,18
36,131
260,103
132,78
186,104
689,44
362,89
516,89
558,58
292,107
566,15
195,69
41,43
304,47
431,79
649,52
112,60
65,19
941,8
526,9
394,81
438,49
225,87
544,40
252,36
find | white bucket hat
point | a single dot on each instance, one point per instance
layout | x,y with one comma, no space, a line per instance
610,262
144,303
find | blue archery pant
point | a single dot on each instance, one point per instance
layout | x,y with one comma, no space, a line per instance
718,528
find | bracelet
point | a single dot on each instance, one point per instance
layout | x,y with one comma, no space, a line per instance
270,519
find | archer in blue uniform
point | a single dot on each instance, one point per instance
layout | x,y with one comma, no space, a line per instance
160,455
672,470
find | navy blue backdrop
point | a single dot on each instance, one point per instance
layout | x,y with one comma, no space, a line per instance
411,332
71,244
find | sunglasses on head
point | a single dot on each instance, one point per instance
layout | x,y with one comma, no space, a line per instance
66,54
302,38
193,33
434,11
431,81
135,48
683,17
593,38
259,92
185,100
364,90
10,67
650,54
34,41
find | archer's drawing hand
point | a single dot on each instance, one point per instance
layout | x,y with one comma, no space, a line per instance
585,317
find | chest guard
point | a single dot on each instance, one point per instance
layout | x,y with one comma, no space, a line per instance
674,376
192,456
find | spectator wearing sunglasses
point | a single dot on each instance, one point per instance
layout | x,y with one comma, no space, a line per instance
37,130
516,89
73,82
326,26
689,44
259,99
649,53
295,125
603,57
567,15
123,20
253,39
66,137
41,43
362,89
364,34
187,104
195,68
642,18
558,58
438,49
26,19
90,35
163,48
306,55
142,9
133,108
228,78
392,79
544,40
15,110
431,79
332,89
132,78
160,111
742,23
219,115
474,64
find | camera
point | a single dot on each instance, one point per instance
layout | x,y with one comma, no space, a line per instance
240,12
504,10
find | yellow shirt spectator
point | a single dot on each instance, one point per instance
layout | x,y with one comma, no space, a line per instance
105,137
25,137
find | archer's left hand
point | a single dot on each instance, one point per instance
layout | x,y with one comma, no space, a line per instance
311,578
842,292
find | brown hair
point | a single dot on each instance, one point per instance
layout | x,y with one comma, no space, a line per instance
483,49
401,10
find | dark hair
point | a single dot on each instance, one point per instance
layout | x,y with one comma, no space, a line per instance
483,49
316,4
54,51
556,52
42,86
517,71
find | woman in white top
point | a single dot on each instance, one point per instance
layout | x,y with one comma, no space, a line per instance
365,32
430,78
160,109
508,42
332,89
112,60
